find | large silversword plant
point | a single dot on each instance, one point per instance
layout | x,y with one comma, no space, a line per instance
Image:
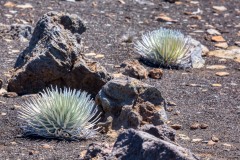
164,47
60,113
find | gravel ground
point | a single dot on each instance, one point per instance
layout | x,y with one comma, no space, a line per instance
108,22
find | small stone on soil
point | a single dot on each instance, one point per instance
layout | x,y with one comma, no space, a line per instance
220,8
210,143
176,126
194,126
170,103
2,102
203,126
213,32
221,45
221,74
24,6
17,107
218,39
99,56
215,139
32,152
164,18
9,4
227,145
216,67
90,54
196,140
3,114
216,85
156,73
46,146
13,143
184,137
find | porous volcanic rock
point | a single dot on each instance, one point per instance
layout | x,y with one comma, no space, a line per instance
134,69
53,57
133,144
131,103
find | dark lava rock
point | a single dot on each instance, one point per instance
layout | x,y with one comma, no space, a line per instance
161,131
132,145
53,57
131,103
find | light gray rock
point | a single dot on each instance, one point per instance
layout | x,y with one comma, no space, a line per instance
132,145
131,103
213,32
194,59
53,57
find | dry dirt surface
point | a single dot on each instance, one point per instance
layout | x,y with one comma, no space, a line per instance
193,97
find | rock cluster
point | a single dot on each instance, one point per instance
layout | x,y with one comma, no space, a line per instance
54,57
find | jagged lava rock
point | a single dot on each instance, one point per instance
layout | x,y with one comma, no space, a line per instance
131,103
53,57
133,144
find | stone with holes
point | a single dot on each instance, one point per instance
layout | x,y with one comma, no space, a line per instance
131,103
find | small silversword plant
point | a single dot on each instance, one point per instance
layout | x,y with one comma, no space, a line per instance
60,113
164,47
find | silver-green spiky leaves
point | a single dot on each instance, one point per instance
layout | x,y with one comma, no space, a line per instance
163,47
63,114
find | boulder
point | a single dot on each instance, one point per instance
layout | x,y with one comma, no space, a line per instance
132,144
54,57
131,103
134,69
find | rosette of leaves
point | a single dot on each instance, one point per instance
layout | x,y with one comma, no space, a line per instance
60,113
164,47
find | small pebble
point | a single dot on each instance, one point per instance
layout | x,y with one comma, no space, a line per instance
176,126
194,126
203,126
215,139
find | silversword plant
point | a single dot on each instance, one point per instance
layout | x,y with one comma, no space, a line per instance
164,47
60,113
